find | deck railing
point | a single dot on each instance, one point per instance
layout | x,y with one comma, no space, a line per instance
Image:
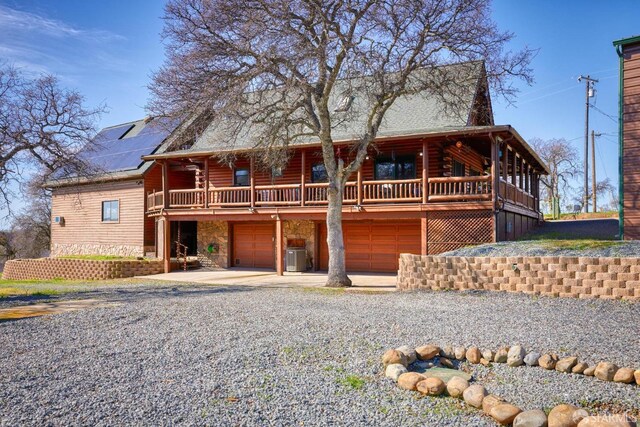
513,194
443,189
460,188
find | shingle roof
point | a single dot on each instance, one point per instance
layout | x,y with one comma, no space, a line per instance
409,114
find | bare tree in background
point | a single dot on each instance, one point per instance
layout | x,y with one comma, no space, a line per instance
564,165
273,70
42,126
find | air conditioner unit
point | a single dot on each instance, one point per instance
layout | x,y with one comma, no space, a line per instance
58,220
296,259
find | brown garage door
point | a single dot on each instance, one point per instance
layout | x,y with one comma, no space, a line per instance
372,245
253,245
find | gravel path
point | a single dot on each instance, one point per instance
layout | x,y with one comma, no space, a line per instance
251,356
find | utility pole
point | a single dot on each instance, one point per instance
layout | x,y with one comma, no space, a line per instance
589,93
593,169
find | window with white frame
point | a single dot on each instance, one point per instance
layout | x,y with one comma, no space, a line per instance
111,211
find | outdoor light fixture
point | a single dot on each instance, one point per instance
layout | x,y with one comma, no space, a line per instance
366,157
252,210
459,144
421,154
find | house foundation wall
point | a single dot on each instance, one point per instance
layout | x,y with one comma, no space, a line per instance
577,277
213,244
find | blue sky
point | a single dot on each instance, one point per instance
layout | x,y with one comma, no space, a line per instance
108,49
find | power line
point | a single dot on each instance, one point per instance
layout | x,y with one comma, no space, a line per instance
612,118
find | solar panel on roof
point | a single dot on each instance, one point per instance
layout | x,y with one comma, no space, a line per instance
112,150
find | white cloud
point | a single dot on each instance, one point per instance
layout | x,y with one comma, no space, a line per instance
18,20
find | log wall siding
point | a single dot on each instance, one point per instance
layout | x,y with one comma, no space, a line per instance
81,207
221,175
631,150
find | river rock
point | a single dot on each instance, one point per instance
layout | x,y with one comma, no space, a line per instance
391,357
394,371
489,402
548,361
447,363
409,380
590,371
501,355
624,375
474,395
488,354
447,351
504,413
473,355
566,364
605,371
427,352
532,418
431,386
516,355
409,352
531,359
484,362
456,386
579,368
636,375
566,416
460,352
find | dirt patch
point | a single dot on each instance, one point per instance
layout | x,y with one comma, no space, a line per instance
35,310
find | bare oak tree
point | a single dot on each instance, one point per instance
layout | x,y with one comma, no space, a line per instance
564,165
275,73
42,126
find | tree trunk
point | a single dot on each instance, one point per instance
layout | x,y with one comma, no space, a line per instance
337,275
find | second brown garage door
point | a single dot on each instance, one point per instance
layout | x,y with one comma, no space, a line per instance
374,246
253,245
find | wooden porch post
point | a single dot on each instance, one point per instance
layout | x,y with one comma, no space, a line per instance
359,184
302,179
424,245
505,163
165,184
521,174
166,246
279,248
206,182
495,173
252,181
514,168
527,178
425,174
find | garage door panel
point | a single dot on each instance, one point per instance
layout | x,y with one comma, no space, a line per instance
253,245
374,245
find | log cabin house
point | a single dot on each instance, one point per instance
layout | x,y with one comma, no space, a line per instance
433,182
628,50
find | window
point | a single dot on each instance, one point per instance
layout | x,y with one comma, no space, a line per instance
457,168
318,173
400,168
111,211
241,177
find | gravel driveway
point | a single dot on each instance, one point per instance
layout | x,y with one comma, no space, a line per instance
265,356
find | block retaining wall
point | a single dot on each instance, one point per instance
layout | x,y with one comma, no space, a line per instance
577,277
78,269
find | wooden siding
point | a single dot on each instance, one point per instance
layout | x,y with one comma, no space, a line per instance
81,207
631,154
221,175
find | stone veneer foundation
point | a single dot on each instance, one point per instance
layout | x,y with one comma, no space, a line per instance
58,249
78,269
217,233
578,277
